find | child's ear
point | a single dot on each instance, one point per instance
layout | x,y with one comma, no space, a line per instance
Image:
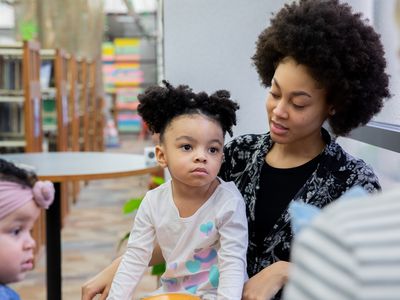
160,156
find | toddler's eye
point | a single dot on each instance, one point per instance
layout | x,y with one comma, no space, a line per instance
16,231
214,150
186,147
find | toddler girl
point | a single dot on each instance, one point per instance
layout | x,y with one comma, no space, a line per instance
198,220
21,197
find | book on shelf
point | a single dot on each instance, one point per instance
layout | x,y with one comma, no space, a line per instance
127,105
10,73
125,77
11,119
46,74
129,122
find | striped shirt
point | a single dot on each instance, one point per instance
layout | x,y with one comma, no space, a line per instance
350,251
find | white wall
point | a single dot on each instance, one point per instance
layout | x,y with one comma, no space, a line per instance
385,163
208,45
385,23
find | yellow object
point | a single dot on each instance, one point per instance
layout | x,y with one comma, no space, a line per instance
123,42
172,297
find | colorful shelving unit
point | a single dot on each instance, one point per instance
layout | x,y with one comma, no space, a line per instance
124,80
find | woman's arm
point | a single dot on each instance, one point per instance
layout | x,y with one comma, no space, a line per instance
265,284
101,283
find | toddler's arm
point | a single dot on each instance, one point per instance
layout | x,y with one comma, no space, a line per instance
232,254
137,255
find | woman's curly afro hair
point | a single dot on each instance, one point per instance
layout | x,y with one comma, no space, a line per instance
342,52
159,105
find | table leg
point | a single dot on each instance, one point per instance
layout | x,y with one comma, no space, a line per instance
53,246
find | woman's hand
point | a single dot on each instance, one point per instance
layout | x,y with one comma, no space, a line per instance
265,284
101,283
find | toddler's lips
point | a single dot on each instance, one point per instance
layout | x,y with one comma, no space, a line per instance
27,265
200,171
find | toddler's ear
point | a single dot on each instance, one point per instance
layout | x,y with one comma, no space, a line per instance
160,156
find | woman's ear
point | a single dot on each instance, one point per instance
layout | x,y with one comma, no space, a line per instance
160,156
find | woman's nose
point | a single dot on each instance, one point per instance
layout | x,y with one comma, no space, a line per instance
280,109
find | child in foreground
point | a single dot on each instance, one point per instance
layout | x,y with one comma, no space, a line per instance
198,220
21,198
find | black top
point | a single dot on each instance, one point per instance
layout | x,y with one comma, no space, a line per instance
336,172
281,187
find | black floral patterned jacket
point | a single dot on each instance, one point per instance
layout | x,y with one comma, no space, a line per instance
337,171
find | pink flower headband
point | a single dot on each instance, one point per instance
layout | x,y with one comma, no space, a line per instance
14,195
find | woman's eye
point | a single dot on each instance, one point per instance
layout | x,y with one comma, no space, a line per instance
274,95
297,106
186,147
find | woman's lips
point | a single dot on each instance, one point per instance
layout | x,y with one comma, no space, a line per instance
278,129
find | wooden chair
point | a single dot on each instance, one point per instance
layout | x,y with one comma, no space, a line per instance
84,105
100,123
74,114
61,83
33,122
96,115
74,117
59,59
32,104
28,95
92,105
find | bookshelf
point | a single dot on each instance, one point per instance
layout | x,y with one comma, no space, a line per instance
129,66
20,98
126,74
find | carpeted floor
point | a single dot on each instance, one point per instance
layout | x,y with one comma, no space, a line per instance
92,231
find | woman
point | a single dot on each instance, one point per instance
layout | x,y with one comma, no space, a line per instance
322,63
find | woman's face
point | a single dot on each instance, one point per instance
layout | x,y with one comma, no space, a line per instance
296,106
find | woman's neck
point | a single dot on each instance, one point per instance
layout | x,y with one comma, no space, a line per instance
295,154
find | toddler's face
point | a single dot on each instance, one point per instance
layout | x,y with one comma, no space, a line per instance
17,244
193,149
